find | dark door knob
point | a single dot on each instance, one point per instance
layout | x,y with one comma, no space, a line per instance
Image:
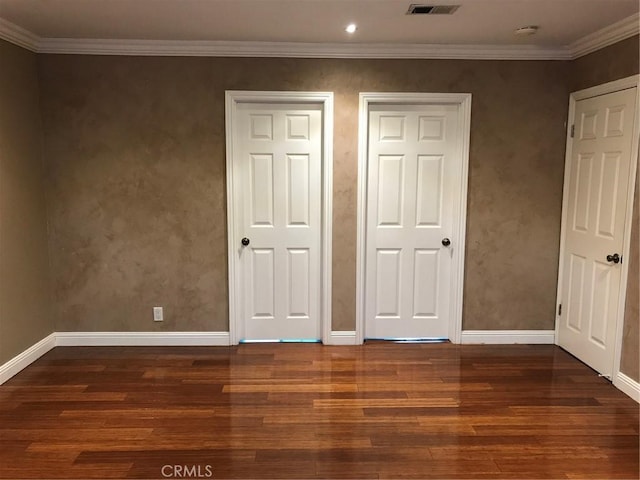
615,258
245,241
446,242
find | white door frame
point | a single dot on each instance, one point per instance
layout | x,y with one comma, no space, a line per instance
325,99
368,99
605,88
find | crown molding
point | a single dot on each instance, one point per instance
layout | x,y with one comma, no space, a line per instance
300,50
19,36
85,46
625,28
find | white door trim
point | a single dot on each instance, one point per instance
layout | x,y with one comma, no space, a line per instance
232,99
605,88
460,210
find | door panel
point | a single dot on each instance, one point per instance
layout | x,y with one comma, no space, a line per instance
261,192
426,267
429,191
413,162
582,200
597,193
298,190
390,188
388,283
298,280
263,282
576,282
279,172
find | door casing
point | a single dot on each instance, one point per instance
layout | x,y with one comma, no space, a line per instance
463,100
325,99
610,87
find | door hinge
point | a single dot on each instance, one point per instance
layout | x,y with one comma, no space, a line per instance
573,130
559,309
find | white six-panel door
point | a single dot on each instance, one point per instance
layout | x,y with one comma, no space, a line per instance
596,195
413,187
278,180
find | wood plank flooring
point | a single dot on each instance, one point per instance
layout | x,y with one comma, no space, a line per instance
381,410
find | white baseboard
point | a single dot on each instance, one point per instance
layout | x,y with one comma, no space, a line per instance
94,339
508,336
627,385
104,339
342,337
141,339
26,358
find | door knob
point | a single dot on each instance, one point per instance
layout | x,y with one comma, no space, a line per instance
245,241
615,258
446,242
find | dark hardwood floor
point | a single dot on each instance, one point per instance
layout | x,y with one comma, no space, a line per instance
381,410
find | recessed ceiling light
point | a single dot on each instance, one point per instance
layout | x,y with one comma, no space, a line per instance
528,30
351,28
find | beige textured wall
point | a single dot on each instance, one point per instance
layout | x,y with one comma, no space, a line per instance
630,361
24,290
611,63
136,182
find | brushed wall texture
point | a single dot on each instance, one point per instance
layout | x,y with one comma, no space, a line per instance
611,63
630,361
25,316
136,182
618,61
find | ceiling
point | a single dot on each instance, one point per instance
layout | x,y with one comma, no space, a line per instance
479,29
477,22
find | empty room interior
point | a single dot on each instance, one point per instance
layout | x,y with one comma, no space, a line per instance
319,239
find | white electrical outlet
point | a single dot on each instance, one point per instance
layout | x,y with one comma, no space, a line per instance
158,315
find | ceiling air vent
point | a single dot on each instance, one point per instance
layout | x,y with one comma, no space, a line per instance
418,9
